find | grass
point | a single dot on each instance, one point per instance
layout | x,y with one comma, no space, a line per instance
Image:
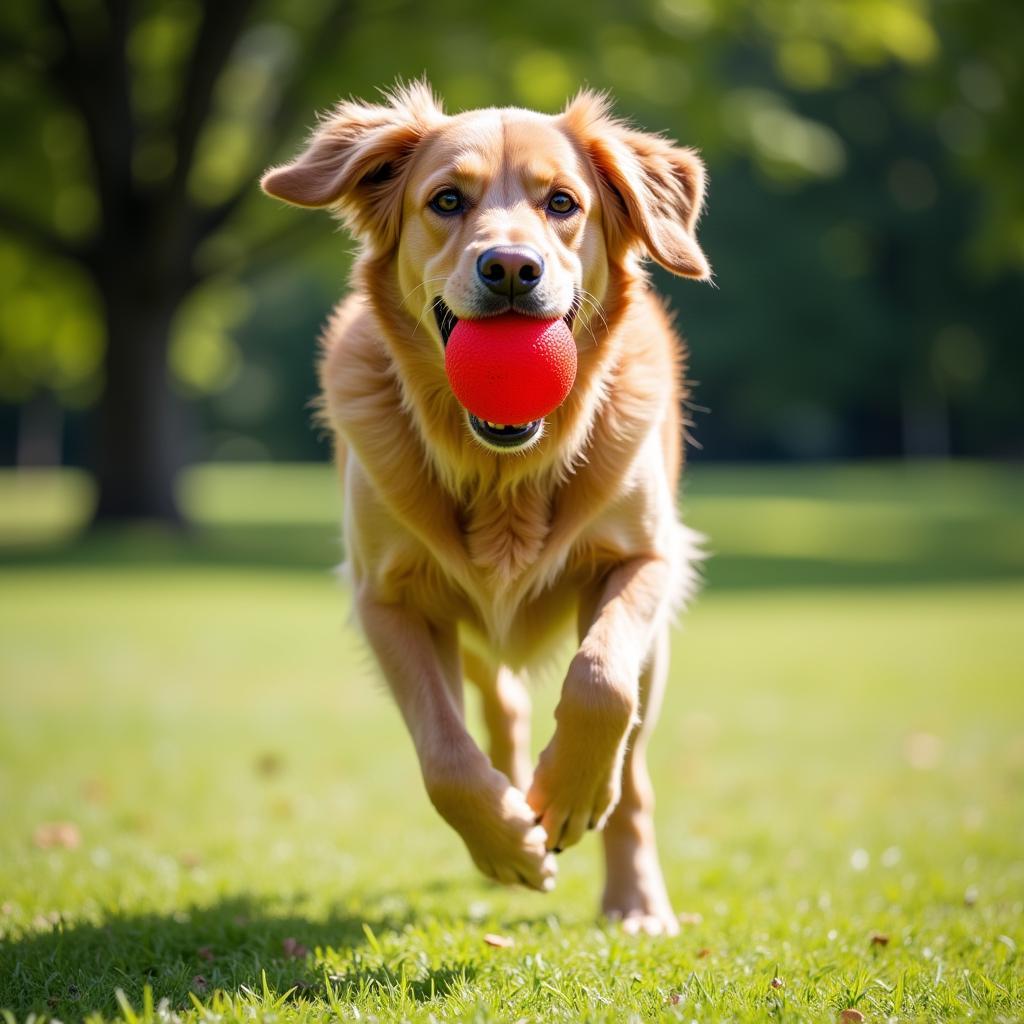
840,769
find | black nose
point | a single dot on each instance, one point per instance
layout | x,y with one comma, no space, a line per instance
510,269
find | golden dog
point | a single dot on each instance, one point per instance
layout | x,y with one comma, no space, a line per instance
473,546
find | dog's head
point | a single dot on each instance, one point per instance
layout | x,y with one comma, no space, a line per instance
501,210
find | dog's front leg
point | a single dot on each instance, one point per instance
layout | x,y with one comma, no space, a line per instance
578,778
421,665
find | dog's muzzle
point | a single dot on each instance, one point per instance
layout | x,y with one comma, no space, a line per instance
505,436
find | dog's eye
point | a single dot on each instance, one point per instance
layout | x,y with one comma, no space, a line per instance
447,202
563,203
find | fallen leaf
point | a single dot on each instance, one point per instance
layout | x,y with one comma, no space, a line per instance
879,939
200,984
269,763
96,791
674,999
701,953
851,1016
205,953
777,983
293,949
499,941
57,833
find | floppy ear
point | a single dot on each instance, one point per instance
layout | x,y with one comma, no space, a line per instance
355,162
652,190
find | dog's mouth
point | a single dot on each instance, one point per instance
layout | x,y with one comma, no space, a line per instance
504,435
446,319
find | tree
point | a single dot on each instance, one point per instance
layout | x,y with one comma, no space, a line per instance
139,127
146,85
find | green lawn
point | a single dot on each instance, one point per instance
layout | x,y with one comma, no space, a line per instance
839,767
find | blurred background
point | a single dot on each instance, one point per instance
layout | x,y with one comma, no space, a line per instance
865,219
186,725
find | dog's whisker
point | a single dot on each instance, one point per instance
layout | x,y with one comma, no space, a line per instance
433,305
592,310
593,299
423,284
587,326
595,304
589,303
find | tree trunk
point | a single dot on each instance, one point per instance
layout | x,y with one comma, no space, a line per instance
142,257
140,445
40,432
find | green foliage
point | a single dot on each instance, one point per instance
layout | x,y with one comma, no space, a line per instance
50,327
832,764
866,219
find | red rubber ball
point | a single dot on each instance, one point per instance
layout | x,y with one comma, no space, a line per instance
511,369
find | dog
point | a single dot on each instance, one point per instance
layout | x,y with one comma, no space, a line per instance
473,548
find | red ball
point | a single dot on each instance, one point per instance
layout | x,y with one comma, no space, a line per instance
511,369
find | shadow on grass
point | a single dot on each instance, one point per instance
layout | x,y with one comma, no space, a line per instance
949,553
315,547
75,970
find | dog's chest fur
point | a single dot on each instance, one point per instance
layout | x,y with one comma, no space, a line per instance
514,587
505,534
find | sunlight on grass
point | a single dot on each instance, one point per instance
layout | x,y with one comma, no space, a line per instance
240,788
207,796
43,505
896,514
259,493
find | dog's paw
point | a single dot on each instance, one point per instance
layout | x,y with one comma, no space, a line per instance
573,791
634,895
578,778
638,922
497,826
